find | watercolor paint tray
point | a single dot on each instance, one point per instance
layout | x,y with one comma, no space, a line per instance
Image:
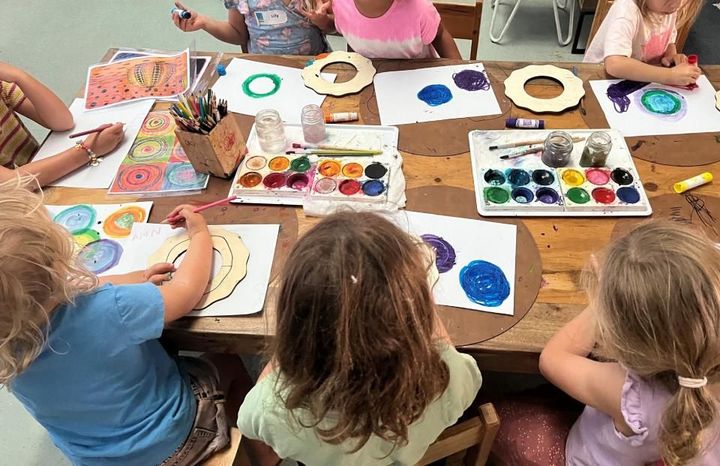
525,186
290,179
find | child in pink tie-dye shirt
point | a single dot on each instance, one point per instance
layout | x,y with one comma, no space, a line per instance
387,28
638,35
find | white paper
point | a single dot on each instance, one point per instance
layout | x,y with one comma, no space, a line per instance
102,211
132,114
398,102
248,297
289,99
701,115
472,240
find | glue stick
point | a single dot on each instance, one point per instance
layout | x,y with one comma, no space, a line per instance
341,117
693,182
183,14
524,123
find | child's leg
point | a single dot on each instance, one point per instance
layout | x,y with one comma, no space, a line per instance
235,382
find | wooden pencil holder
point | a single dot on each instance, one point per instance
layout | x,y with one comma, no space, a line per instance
218,153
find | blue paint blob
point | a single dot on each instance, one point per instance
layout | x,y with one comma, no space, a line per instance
435,94
518,177
484,283
373,188
629,195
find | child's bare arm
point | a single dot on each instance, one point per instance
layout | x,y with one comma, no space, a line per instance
156,273
445,45
232,31
189,281
52,168
629,68
564,362
40,104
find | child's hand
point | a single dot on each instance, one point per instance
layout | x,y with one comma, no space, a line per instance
677,59
183,216
321,16
159,273
683,74
105,141
195,23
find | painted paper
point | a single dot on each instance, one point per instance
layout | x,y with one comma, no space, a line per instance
248,297
147,77
156,162
102,175
251,86
475,259
647,109
100,231
433,94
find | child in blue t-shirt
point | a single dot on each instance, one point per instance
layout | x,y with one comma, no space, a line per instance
82,354
272,27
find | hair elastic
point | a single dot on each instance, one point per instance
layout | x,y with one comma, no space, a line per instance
688,382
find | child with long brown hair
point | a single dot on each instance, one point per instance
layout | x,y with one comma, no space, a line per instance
82,354
362,370
655,309
636,41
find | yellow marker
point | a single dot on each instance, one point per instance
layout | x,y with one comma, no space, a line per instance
693,182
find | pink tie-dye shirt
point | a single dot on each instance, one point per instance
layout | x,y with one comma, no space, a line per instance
406,30
625,32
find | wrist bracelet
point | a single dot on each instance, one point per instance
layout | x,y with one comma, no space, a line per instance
94,160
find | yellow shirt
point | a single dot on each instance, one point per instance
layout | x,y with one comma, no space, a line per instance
17,145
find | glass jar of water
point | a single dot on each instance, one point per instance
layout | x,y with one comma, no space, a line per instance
270,131
557,149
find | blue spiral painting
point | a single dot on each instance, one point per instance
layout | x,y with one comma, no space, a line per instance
484,283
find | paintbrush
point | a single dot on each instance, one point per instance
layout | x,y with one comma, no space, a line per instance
201,208
337,153
531,150
297,145
582,99
528,143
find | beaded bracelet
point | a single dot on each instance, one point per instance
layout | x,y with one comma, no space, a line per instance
94,160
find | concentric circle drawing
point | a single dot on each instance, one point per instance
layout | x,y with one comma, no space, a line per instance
139,177
158,123
119,223
85,237
233,269
183,176
149,150
76,218
662,103
101,255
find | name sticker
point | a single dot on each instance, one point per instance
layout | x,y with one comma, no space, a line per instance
271,17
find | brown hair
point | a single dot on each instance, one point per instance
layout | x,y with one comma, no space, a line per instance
37,270
658,314
355,330
686,14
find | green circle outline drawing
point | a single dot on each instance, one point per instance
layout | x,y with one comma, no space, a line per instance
276,80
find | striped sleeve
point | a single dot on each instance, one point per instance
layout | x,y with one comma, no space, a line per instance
11,94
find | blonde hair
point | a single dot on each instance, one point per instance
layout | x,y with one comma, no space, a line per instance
658,313
38,271
686,14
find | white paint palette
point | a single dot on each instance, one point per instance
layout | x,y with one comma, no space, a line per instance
290,179
525,186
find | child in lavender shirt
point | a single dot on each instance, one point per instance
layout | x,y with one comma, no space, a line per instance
655,309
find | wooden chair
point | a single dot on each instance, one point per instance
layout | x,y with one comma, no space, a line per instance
466,443
602,10
227,456
462,21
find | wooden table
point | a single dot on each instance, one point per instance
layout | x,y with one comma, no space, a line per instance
564,243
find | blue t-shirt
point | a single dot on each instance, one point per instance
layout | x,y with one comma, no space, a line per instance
104,388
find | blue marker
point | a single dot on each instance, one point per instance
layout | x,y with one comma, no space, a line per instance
183,14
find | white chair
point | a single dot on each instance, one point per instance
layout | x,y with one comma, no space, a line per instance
557,5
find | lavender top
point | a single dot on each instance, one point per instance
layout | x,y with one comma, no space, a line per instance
594,440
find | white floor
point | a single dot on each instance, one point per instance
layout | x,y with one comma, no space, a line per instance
56,41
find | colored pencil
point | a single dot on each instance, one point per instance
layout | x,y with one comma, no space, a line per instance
527,143
90,131
203,207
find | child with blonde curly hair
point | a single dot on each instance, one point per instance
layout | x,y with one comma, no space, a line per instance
82,354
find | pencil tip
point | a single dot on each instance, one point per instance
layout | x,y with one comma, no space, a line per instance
504,157
493,147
